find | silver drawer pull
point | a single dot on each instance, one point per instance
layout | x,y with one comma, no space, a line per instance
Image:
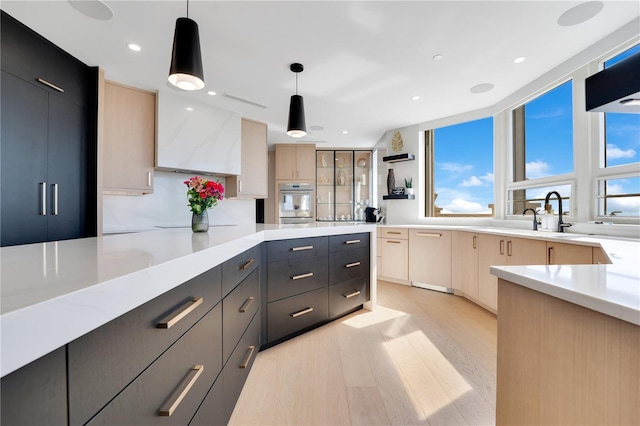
302,248
247,358
302,312
53,86
178,394
299,277
352,242
351,265
350,295
427,234
246,265
184,310
246,305
55,199
43,209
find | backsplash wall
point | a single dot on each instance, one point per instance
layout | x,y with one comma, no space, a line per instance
167,206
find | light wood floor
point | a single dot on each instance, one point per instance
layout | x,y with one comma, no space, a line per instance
421,357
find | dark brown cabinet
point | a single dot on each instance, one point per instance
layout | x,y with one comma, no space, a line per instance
48,151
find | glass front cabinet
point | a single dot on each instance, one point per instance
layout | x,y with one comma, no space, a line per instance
343,185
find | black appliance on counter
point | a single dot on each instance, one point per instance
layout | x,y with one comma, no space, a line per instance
370,214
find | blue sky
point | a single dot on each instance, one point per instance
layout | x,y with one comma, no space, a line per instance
464,152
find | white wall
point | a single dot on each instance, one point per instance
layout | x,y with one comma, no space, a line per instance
168,206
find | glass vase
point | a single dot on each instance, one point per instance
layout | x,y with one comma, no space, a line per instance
200,222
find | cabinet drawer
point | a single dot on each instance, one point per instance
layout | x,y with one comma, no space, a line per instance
348,242
295,313
290,277
398,233
238,268
237,310
197,352
211,412
236,370
104,361
297,248
345,265
347,295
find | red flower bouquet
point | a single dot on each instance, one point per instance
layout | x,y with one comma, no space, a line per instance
203,193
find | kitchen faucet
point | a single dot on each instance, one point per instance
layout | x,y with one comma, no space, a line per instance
535,219
561,225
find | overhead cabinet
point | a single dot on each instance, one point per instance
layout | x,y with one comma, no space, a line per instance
129,139
252,183
195,137
295,162
48,151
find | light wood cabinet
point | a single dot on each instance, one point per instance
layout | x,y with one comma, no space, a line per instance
568,254
394,254
253,182
599,256
464,265
430,257
499,250
295,162
129,139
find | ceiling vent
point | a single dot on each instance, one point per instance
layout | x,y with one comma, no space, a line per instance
245,101
615,89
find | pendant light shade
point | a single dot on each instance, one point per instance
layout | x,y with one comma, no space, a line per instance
296,126
186,61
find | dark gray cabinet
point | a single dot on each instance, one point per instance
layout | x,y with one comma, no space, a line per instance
48,140
36,394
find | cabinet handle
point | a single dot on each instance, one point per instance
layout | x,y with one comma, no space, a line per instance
239,185
501,246
302,312
350,295
302,248
178,394
299,277
53,86
394,232
247,358
351,265
149,179
475,241
393,242
549,251
184,310
508,248
43,190
352,242
246,265
427,234
246,305
55,199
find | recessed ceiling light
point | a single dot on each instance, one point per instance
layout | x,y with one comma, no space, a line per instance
415,98
189,109
481,88
519,60
211,92
344,132
437,57
134,47
580,13
95,9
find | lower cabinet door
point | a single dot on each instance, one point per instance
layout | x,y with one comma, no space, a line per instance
236,370
238,308
348,264
295,276
36,394
295,313
347,295
170,391
211,412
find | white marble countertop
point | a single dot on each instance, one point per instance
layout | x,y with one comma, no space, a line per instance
52,293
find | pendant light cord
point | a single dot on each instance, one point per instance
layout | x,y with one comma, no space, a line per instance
187,9
296,84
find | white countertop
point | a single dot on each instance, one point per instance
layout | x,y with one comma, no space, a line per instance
52,293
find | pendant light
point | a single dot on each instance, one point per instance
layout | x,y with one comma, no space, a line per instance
296,126
186,61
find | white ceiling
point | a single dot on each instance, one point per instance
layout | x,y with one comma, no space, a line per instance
363,60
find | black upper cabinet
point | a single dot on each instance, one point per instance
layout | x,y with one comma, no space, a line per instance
48,140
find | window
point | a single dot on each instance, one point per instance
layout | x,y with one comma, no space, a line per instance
460,170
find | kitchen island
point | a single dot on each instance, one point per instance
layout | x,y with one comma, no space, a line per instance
52,293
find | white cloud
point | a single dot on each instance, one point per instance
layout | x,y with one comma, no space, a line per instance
456,167
460,205
614,152
472,181
487,177
537,168
613,188
628,206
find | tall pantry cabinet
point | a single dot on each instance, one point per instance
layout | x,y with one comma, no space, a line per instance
48,140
